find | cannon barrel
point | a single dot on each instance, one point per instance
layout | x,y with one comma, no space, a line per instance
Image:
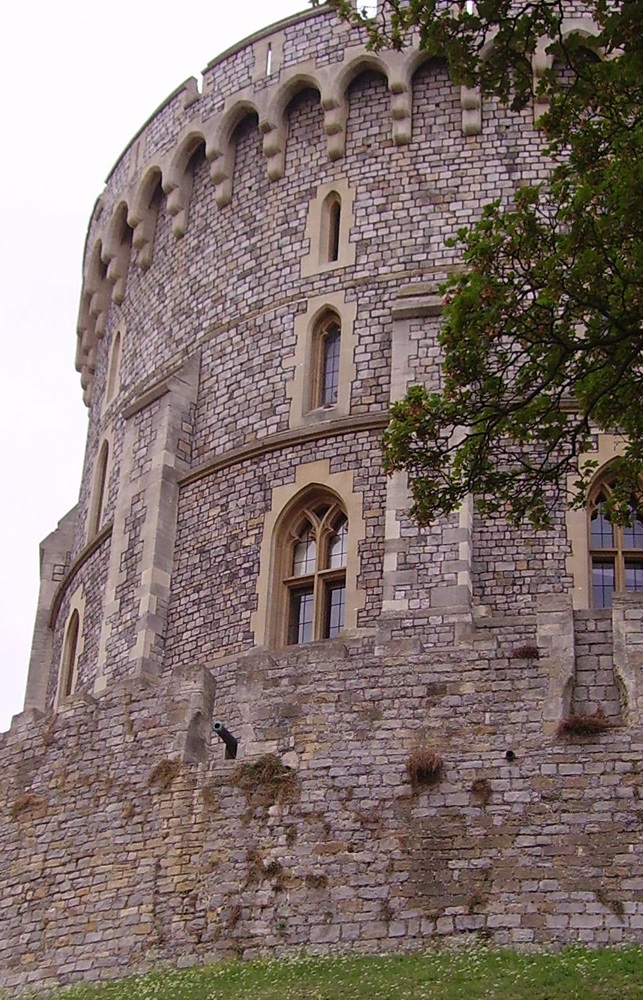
231,742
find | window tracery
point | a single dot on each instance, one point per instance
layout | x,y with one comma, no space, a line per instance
313,572
615,550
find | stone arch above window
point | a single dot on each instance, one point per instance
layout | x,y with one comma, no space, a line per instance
309,563
328,228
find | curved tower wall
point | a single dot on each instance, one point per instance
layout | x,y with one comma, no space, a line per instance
210,281
218,273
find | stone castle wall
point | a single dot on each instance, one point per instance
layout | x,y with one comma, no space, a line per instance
120,853
127,835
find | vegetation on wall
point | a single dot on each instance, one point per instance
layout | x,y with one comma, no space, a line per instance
542,335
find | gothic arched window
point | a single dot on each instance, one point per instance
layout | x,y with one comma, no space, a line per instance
326,360
114,367
615,550
67,678
99,490
314,548
330,228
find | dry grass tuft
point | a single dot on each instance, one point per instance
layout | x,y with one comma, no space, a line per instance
584,725
164,774
260,870
424,766
266,781
615,905
481,790
316,881
128,810
526,652
48,734
234,916
211,796
28,802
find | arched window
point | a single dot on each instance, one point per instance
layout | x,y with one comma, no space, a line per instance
330,227
67,679
99,490
325,375
314,548
113,372
616,551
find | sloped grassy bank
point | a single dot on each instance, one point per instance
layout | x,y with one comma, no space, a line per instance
470,974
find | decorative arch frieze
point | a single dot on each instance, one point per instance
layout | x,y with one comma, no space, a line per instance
117,251
471,104
335,102
543,60
222,150
133,220
274,123
143,213
99,288
179,177
400,76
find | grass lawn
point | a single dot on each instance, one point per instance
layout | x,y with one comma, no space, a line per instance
471,974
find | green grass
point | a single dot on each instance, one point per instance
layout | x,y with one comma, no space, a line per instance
470,974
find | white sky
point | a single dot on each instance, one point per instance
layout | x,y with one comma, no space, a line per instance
78,79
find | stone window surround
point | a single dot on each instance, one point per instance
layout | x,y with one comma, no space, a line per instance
76,604
301,388
98,496
113,375
325,332
267,622
316,261
315,578
610,446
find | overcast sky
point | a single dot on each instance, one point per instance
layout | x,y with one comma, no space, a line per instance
78,79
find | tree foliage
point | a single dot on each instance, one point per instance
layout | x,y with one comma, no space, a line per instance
542,336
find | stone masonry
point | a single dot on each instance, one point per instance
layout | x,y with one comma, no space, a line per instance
128,838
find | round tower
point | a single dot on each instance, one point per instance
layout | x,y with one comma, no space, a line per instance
261,281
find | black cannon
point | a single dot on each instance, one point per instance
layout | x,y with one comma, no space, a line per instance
231,742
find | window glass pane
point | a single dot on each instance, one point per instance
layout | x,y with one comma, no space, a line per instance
602,530
633,533
305,553
334,217
602,583
335,603
300,625
634,575
338,546
330,366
